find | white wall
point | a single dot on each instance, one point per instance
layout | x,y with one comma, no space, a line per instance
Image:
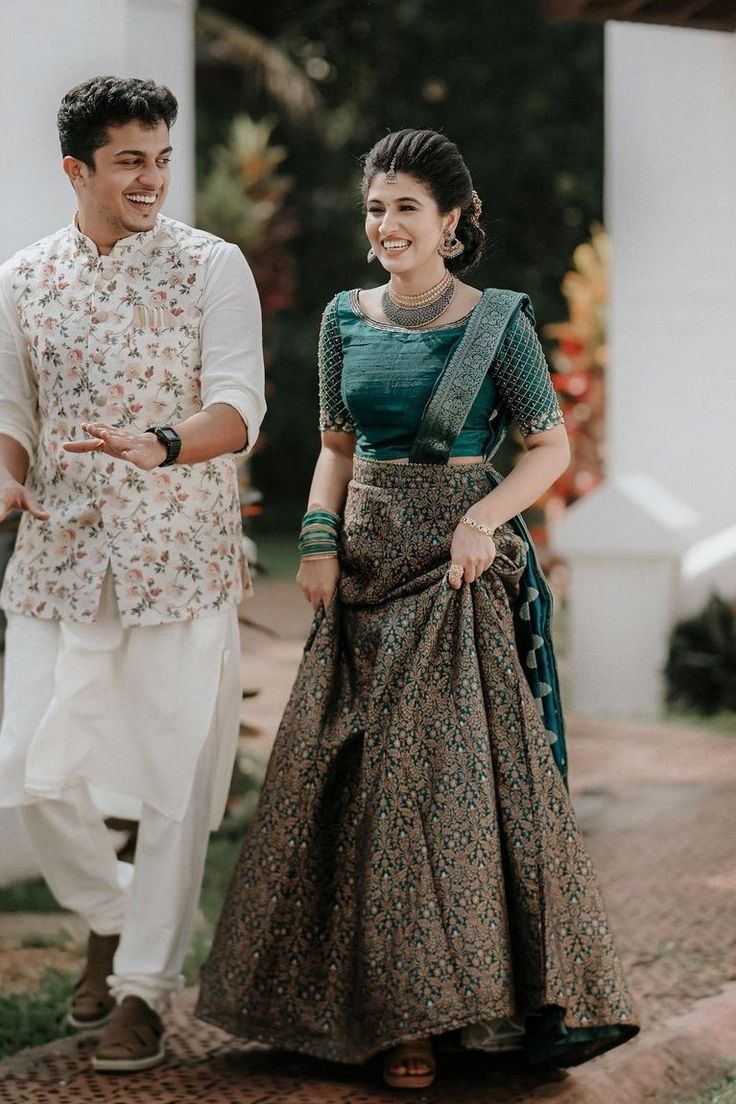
671,209
46,47
671,403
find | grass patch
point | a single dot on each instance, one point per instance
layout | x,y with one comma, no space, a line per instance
31,1019
30,896
58,942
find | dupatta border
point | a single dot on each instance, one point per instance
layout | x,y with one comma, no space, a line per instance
462,377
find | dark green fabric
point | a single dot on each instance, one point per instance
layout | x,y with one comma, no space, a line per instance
388,376
548,1040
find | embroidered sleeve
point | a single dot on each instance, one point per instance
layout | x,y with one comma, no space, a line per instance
521,374
333,414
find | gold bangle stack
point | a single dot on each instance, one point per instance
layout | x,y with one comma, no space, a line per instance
485,529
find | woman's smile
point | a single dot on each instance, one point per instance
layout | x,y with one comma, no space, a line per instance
395,245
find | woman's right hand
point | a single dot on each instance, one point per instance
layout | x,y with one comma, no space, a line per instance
318,580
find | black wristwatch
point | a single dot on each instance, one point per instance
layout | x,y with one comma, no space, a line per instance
171,439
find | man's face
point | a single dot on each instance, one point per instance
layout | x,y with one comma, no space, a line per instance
127,188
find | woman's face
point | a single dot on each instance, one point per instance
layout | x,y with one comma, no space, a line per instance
404,224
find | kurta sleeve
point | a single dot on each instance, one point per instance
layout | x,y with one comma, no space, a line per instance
333,414
18,386
521,374
232,350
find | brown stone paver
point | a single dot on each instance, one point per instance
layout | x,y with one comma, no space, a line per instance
657,806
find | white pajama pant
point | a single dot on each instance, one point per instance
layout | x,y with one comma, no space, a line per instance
147,717
154,910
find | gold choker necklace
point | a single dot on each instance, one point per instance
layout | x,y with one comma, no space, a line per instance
413,311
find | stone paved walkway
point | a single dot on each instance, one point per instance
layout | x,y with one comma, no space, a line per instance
657,806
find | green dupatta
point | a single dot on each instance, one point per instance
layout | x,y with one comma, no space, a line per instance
442,420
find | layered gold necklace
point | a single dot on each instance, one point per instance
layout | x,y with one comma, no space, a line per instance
412,311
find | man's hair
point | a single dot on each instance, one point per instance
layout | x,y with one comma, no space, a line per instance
101,102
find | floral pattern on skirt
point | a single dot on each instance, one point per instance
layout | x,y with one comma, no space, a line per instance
414,867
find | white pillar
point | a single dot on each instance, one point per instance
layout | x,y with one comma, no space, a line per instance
671,399
46,47
671,210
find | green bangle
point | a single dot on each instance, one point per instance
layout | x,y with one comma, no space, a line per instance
319,534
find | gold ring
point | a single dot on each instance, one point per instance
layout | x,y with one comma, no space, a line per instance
455,574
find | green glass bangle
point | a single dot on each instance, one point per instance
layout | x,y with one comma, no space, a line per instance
317,542
325,516
313,547
319,534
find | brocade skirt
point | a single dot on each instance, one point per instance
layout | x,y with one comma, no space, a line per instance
414,867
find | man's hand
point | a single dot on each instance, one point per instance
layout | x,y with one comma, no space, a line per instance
142,449
14,496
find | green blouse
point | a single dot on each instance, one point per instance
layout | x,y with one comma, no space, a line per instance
375,381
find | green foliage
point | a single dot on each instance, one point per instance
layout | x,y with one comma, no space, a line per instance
522,98
242,192
31,1019
29,896
701,667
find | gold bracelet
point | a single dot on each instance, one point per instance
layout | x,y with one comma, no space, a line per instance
485,529
320,556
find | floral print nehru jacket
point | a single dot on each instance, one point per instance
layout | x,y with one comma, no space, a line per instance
149,334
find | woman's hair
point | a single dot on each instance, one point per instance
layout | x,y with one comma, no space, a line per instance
436,161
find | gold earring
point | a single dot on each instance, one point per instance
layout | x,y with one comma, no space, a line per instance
451,247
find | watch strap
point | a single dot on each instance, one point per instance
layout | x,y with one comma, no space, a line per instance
168,437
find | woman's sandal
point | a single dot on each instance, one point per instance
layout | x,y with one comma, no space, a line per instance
418,1051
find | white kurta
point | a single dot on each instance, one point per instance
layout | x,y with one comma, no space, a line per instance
126,710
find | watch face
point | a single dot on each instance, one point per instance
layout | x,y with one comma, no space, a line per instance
167,434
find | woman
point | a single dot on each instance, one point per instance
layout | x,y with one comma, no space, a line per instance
414,873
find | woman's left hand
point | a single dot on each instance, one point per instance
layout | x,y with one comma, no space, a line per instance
142,449
473,551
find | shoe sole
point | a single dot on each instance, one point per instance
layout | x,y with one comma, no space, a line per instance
411,1081
129,1065
88,1025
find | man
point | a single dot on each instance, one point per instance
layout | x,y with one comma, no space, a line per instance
131,371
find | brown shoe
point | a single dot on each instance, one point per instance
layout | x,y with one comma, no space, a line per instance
133,1039
92,1004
